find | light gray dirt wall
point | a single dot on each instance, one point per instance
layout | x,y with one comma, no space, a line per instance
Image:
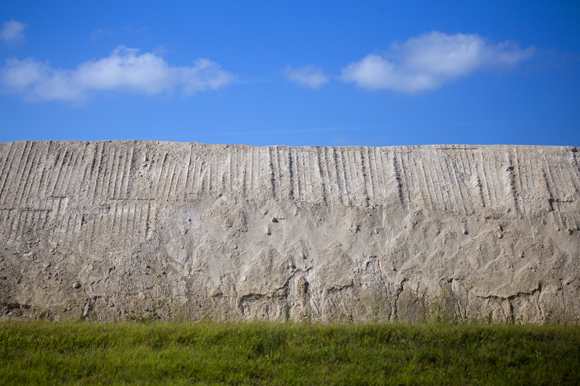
129,229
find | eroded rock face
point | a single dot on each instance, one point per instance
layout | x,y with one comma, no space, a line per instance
125,229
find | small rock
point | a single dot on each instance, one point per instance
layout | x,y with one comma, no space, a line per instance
274,219
46,265
267,231
76,285
465,231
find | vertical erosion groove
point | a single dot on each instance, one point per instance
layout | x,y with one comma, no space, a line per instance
109,174
322,174
19,173
95,171
273,171
291,174
25,198
4,171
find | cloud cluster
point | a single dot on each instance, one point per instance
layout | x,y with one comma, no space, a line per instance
12,32
427,61
421,63
124,69
307,76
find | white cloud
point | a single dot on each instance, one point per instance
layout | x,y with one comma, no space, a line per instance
306,76
427,61
12,32
124,70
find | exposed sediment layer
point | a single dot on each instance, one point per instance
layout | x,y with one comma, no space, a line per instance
120,229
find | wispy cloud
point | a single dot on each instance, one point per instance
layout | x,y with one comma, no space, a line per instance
309,76
100,32
136,31
125,69
340,141
427,61
12,32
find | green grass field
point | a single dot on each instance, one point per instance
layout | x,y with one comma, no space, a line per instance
257,353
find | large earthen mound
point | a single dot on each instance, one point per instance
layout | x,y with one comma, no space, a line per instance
128,229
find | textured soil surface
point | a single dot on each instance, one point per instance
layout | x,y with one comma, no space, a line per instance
129,229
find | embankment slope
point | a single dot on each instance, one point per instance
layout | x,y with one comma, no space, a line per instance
119,229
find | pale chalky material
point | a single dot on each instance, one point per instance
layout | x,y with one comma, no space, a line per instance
184,231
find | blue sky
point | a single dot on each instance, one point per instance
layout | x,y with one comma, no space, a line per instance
376,73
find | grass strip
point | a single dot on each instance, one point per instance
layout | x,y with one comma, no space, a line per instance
258,353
